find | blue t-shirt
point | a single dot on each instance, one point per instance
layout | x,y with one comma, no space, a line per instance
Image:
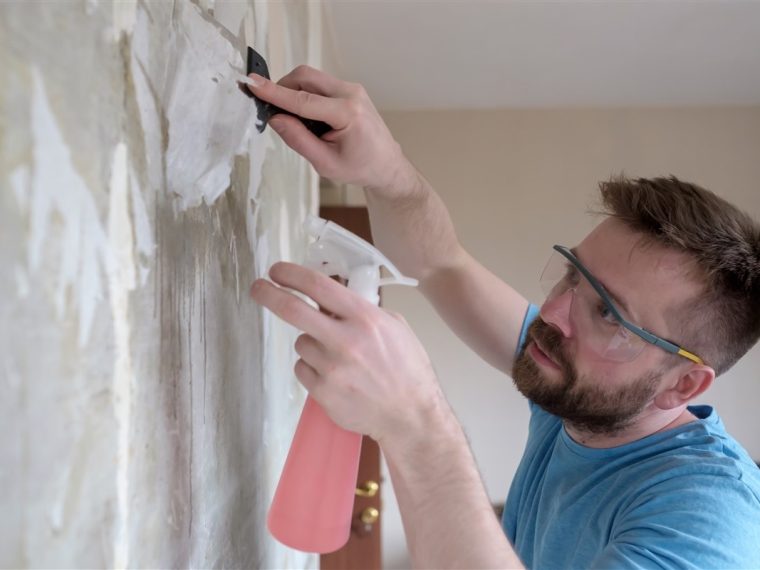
685,498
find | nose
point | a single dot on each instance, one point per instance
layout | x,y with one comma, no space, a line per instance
556,311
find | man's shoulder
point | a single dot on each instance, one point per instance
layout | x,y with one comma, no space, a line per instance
700,458
693,483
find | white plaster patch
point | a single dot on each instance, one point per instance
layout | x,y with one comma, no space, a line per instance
286,227
121,281
55,515
144,239
19,180
57,188
245,80
123,17
234,255
208,116
119,222
262,258
266,433
258,148
148,106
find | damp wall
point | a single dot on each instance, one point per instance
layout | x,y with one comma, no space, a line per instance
147,404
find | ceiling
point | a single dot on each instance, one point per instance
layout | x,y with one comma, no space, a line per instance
445,54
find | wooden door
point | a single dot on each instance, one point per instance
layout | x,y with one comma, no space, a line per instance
363,548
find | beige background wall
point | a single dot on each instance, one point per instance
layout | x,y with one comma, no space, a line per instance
517,182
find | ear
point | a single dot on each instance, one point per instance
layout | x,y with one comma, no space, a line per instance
692,382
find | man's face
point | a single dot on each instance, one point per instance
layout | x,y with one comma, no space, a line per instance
564,375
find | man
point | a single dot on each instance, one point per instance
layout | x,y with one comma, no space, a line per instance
639,318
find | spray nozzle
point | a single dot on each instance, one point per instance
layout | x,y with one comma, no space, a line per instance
337,251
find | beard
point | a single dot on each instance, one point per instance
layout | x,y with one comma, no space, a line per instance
586,405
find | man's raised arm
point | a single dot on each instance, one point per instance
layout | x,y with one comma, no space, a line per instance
410,223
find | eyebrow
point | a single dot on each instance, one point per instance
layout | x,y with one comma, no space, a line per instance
614,296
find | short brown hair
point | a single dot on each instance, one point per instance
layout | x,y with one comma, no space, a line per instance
723,323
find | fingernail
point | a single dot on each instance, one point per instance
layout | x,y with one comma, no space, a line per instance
256,80
255,287
277,124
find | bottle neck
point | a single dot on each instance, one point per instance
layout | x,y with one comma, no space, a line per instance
365,280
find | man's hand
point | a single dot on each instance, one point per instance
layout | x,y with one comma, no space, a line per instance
363,364
359,150
371,375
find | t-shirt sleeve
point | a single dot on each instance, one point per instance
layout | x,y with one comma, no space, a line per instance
695,522
530,314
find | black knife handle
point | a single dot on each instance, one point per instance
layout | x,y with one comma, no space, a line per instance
265,111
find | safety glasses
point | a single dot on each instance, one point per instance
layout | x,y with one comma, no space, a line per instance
593,314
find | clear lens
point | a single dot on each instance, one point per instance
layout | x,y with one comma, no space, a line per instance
558,276
590,315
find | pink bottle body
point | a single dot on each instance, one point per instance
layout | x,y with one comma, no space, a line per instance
312,506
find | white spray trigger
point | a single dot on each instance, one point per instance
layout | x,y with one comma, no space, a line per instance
337,251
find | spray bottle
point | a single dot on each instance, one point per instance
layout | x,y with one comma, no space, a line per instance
312,506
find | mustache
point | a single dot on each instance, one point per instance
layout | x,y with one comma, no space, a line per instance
550,339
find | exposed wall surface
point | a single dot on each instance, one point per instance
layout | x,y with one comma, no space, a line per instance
147,403
517,182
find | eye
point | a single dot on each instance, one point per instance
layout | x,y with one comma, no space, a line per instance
604,312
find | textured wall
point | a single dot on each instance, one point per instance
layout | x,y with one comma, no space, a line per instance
147,403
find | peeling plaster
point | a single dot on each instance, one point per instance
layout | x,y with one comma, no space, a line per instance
150,403
208,117
58,189
121,281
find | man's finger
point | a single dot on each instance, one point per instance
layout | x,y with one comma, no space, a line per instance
307,376
302,103
293,310
327,293
295,134
312,352
307,78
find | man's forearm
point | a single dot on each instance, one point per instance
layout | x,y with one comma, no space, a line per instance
411,225
448,519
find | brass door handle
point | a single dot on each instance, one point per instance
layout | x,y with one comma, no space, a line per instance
370,515
363,523
369,489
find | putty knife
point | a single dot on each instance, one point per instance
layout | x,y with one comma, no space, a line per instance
264,111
